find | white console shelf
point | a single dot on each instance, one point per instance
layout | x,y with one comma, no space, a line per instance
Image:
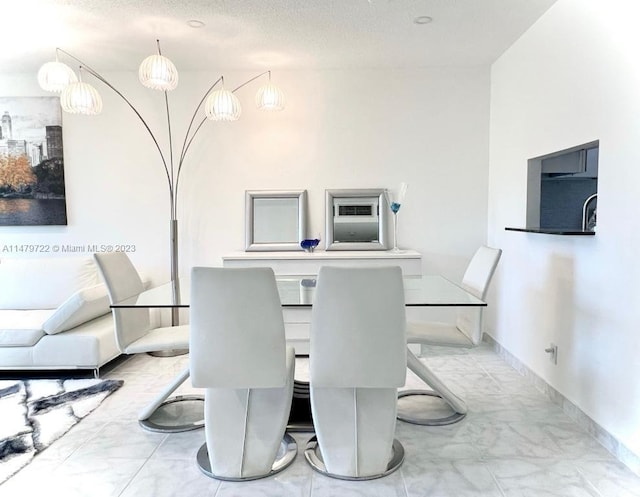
295,262
297,320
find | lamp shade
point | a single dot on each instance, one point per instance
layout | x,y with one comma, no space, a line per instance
81,98
55,76
158,73
270,97
222,105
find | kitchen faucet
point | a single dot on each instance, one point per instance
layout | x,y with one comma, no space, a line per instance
585,206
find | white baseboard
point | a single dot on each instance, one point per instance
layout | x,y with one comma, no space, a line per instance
606,439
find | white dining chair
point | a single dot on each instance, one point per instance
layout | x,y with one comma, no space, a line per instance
239,355
466,331
357,362
135,335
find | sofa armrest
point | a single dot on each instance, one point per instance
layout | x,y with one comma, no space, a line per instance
84,305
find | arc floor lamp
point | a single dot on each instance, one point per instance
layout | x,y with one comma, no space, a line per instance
158,73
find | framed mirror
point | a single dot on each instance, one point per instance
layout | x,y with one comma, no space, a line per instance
275,220
356,219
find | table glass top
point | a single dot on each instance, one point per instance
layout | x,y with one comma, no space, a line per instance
298,291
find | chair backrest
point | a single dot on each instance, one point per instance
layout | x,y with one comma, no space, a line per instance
237,331
124,285
358,328
476,280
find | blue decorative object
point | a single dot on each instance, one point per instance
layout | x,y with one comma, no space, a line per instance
309,244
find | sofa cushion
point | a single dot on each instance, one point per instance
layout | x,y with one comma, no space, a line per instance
86,346
82,306
22,328
44,283
89,345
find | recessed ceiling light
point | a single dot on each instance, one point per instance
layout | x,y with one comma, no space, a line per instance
423,20
195,23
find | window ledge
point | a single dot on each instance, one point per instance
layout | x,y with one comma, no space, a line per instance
554,231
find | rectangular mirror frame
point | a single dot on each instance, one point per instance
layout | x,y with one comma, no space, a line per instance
331,244
250,195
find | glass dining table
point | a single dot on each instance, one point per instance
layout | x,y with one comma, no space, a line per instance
297,291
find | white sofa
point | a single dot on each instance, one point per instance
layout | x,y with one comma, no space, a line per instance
54,314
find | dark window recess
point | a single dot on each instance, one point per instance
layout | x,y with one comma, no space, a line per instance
561,202
567,181
562,190
355,210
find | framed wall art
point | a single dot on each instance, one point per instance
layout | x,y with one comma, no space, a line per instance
32,188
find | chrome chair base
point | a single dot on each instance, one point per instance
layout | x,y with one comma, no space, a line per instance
168,353
162,420
447,420
286,455
314,458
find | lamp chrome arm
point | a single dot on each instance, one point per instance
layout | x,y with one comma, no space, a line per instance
103,80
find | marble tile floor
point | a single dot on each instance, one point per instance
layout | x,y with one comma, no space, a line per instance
513,443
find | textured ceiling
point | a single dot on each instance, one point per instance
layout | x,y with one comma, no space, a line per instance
254,34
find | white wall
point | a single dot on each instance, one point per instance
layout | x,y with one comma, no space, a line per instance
572,78
341,129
